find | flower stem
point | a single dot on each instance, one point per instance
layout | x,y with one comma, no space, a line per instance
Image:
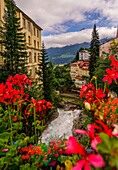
104,87
41,131
9,111
96,83
35,126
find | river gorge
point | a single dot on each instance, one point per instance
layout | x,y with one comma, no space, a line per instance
62,125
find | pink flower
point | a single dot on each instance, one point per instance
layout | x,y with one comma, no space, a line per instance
73,147
53,163
92,159
4,150
114,62
112,74
95,139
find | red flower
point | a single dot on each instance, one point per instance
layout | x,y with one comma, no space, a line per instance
114,62
99,94
94,138
112,74
73,147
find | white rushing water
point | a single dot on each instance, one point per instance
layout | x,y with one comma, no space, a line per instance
61,126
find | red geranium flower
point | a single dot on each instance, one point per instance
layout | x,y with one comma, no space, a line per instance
73,147
112,74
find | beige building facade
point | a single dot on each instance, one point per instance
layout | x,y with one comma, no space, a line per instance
79,72
32,36
74,70
84,55
107,47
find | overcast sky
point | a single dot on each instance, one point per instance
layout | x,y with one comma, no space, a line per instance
66,22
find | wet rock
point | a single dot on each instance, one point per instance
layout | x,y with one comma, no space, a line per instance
53,116
78,123
68,106
61,104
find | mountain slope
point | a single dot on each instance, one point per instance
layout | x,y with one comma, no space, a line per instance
62,55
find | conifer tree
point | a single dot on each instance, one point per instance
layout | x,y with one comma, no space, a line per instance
14,47
42,72
76,58
94,51
50,80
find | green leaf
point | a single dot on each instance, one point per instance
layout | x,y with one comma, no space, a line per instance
105,146
34,123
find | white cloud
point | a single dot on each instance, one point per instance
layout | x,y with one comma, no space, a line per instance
51,15
48,13
77,37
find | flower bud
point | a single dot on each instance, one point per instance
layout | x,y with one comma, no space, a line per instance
87,106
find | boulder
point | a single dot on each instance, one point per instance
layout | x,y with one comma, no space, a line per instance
78,123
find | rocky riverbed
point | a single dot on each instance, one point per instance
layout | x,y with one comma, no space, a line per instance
62,125
64,121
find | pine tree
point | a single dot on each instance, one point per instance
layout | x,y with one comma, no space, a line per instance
76,58
77,55
50,80
42,72
14,47
94,51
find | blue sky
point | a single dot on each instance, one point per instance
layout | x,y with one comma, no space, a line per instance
66,22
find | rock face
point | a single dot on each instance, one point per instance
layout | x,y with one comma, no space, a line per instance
67,106
53,116
78,123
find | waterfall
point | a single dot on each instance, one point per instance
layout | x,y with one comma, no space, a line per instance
61,126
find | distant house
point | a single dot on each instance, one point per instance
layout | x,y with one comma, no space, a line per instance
74,70
106,47
83,69
84,55
79,72
79,81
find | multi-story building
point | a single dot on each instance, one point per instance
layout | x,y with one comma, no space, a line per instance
83,69
79,72
84,55
74,70
79,81
106,47
32,36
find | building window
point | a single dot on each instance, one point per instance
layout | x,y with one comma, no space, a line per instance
28,26
34,31
34,43
35,71
24,37
37,33
30,57
24,23
38,45
35,57
38,57
29,40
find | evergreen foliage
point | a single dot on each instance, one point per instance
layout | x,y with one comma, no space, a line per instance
81,48
47,78
76,57
50,88
94,51
62,77
43,70
14,47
